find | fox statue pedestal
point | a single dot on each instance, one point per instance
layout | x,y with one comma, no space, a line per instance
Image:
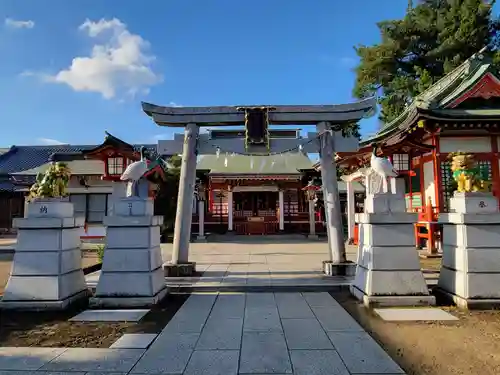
470,273
47,269
132,274
388,271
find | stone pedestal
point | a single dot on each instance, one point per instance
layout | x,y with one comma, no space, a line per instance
132,274
388,271
470,273
47,268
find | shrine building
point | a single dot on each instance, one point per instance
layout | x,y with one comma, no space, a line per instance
260,194
460,112
95,175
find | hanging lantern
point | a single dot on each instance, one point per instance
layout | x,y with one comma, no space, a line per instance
311,189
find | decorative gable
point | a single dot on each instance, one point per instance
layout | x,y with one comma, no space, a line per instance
486,88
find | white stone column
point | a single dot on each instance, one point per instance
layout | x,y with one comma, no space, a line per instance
187,180
470,272
350,210
333,213
388,271
131,274
47,268
201,220
281,199
312,221
229,210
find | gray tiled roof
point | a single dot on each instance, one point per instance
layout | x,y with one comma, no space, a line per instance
22,158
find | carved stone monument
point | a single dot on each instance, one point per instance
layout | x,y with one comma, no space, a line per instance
470,273
47,268
388,271
132,273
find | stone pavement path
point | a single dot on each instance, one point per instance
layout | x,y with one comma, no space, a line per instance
229,334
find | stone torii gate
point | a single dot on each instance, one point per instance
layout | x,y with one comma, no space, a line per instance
328,139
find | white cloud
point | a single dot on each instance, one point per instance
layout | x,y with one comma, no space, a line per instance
18,24
174,104
50,141
118,62
27,73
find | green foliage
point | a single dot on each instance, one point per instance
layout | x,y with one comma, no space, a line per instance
341,171
100,252
167,194
51,184
351,130
431,40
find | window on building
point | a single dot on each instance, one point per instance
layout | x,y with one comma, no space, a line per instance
91,206
115,165
401,162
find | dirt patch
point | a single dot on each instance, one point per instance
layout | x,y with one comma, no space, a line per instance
5,265
52,329
468,346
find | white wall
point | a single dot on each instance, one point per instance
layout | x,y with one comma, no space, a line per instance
429,186
468,144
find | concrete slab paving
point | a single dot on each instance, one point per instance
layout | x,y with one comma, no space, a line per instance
169,354
317,362
213,362
92,359
220,333
26,359
56,373
293,306
305,334
110,316
336,319
134,341
260,300
212,334
262,319
361,354
264,353
229,306
414,314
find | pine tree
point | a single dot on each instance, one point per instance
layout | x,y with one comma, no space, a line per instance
432,39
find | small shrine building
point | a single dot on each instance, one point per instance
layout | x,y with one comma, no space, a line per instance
460,112
259,194
95,177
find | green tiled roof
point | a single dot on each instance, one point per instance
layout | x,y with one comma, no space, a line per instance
288,163
443,92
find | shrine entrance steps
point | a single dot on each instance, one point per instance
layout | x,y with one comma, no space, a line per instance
278,263
267,238
262,266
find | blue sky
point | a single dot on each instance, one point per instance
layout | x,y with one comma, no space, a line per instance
72,69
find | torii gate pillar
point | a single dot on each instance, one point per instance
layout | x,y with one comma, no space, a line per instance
336,245
184,214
